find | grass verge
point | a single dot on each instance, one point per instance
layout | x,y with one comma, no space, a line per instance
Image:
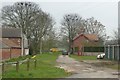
80,58
45,68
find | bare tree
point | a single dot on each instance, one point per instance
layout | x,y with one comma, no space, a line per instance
21,15
70,25
115,36
92,26
44,25
50,40
28,15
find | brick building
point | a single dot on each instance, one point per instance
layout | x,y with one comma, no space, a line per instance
13,43
83,42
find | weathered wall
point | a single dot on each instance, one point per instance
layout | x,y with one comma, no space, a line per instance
5,54
26,51
17,41
15,53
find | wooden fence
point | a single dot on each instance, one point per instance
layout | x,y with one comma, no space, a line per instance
18,63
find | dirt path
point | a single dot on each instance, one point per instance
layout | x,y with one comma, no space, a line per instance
84,70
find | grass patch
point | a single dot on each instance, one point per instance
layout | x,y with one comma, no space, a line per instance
80,58
45,68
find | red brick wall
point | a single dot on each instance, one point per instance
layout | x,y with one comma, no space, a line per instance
5,54
78,42
82,41
15,53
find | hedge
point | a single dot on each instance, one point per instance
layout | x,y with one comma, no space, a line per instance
93,49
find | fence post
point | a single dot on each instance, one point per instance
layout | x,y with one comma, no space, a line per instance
35,62
28,65
17,66
3,67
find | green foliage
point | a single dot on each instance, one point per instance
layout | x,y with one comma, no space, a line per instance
80,58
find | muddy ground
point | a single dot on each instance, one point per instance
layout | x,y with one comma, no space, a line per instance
85,69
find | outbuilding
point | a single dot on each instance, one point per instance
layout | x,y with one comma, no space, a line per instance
13,43
112,50
87,45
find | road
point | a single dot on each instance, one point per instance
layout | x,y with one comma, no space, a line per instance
84,70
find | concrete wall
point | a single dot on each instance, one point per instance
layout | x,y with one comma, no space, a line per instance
26,51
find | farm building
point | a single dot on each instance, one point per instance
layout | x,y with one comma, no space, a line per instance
87,44
13,43
112,50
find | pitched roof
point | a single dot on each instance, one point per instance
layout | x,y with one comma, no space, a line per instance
11,32
91,37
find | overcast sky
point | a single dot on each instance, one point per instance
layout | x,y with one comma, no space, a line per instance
105,11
